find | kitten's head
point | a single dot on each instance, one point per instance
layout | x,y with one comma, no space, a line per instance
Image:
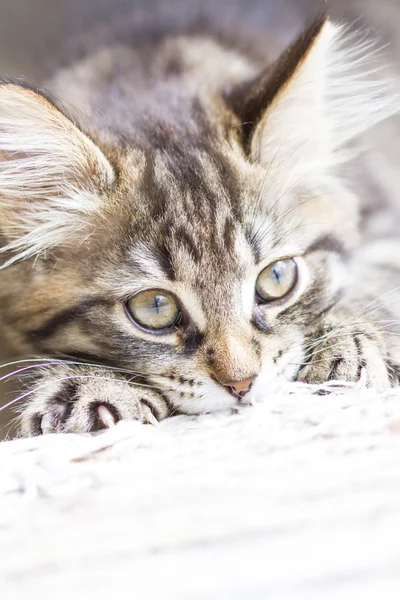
201,249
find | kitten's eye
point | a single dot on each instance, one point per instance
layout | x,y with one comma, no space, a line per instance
277,280
154,309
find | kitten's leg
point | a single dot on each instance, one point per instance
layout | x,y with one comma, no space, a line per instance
84,399
362,332
340,352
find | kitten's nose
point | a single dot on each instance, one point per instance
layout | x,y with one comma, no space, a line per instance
240,387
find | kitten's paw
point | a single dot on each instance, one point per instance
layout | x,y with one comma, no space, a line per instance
342,353
87,401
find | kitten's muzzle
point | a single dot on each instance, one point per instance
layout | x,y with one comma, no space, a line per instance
238,388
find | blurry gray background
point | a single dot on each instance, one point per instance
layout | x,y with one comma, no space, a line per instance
31,30
33,33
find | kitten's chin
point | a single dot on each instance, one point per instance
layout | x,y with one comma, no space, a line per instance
211,399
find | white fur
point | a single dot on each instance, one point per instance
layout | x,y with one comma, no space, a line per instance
335,95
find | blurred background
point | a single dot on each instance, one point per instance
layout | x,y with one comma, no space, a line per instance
37,36
33,32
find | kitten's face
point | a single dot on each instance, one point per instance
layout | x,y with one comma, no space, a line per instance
233,261
193,257
205,273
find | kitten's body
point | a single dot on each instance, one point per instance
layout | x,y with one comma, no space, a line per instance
201,173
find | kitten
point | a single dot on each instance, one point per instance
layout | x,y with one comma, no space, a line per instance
196,244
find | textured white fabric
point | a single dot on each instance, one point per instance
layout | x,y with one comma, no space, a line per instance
296,498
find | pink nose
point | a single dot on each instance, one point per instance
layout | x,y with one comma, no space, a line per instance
240,387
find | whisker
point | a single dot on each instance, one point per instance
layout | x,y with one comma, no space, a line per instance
362,310
344,335
67,362
74,377
347,322
24,369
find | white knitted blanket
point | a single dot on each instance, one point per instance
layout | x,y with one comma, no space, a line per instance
296,498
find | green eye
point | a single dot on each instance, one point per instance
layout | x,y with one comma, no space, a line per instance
277,280
154,309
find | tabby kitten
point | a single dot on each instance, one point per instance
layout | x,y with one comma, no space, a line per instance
196,244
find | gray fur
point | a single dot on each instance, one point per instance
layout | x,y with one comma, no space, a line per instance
168,188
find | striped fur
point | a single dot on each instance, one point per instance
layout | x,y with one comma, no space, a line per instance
197,170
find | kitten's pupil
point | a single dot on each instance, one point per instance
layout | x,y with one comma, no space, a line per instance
277,272
153,310
158,303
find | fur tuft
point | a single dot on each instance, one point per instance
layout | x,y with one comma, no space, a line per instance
336,93
50,175
359,94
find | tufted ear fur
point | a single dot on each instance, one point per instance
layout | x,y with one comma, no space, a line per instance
52,175
322,93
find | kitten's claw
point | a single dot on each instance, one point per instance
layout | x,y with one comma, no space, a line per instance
46,424
105,416
149,417
51,420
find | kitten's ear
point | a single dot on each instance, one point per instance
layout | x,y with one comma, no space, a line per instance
315,99
52,175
